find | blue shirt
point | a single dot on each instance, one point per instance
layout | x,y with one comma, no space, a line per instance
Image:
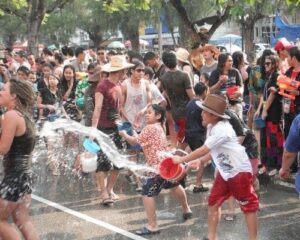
292,143
193,118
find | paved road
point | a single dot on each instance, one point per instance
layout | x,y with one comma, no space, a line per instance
67,207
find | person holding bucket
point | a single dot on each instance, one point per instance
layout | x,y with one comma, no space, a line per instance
153,141
108,98
234,177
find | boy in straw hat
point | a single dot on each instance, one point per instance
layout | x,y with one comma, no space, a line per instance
210,54
108,96
234,177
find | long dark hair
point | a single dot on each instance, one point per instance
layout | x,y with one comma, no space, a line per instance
222,60
238,59
63,84
158,110
25,96
266,53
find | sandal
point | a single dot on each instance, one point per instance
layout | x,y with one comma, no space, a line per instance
145,231
187,215
114,196
106,201
229,217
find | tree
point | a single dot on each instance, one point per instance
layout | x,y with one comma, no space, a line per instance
33,13
130,14
98,23
222,13
9,36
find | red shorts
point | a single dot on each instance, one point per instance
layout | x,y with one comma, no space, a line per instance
240,187
180,127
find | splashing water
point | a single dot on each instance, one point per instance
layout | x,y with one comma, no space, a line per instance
55,131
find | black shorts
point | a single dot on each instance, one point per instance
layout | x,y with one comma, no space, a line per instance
194,142
15,186
152,186
103,163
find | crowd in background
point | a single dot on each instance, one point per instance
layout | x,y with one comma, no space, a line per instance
98,88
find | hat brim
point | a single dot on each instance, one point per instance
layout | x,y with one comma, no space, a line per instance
108,68
207,109
211,48
182,60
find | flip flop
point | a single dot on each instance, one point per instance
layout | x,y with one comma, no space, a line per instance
114,197
107,201
229,217
145,231
187,215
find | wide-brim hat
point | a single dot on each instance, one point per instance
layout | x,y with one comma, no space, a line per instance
196,58
182,55
212,48
214,104
116,63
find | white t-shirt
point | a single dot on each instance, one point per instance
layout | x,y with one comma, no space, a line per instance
157,97
229,156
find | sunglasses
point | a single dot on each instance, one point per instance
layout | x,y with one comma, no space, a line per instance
268,63
140,70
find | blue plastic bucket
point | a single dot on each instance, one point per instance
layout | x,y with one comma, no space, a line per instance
259,122
91,146
126,126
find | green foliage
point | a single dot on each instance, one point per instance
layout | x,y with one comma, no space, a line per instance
8,23
111,6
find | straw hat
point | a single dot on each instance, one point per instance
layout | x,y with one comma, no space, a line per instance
212,48
116,63
182,55
215,104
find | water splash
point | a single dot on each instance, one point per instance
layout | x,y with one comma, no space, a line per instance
57,129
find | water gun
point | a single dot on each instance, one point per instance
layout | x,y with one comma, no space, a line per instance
81,75
285,83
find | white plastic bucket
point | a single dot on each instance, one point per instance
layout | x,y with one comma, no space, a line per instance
88,162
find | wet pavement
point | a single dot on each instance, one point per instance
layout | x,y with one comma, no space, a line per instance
68,207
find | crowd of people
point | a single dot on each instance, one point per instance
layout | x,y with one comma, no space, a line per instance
215,106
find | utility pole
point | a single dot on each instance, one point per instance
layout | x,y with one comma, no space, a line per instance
160,48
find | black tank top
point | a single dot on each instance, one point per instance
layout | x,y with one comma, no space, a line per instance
18,158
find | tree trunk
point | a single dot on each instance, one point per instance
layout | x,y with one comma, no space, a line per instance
10,39
192,38
35,16
249,38
32,36
198,37
130,31
96,38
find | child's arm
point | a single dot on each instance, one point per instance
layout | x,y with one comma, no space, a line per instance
132,140
199,152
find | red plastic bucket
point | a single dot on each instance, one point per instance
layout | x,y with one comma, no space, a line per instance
170,171
231,90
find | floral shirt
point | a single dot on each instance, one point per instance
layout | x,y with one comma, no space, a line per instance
153,141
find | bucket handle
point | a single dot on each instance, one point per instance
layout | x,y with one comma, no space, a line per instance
179,150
